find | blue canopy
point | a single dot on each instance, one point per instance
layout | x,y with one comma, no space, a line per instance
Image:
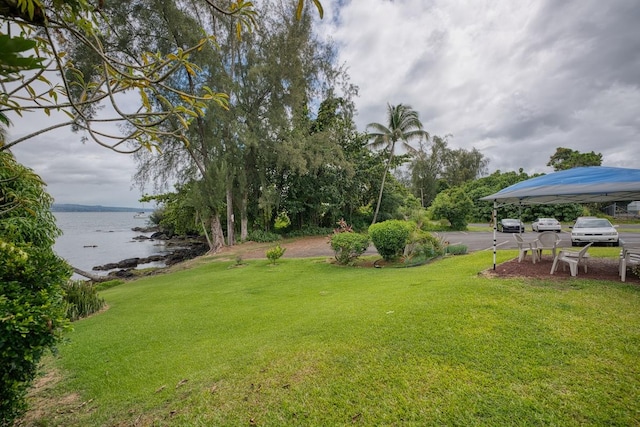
578,185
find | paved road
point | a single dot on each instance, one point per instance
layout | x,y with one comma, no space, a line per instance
481,240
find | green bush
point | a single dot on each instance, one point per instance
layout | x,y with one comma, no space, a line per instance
32,317
282,222
260,236
82,299
390,237
274,253
456,249
422,246
348,246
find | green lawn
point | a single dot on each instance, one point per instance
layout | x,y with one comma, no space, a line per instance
308,343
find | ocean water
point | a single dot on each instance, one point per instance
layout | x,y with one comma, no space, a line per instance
96,238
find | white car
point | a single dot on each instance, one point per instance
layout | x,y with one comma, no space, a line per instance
591,229
546,224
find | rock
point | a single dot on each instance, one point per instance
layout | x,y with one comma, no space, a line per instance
159,235
188,248
186,253
122,274
141,237
150,229
125,263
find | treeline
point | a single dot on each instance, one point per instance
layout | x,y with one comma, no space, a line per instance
283,153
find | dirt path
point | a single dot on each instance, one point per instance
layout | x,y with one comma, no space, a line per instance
303,247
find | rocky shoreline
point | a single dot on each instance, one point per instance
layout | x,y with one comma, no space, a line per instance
180,249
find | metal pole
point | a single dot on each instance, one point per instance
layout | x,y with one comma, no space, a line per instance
495,230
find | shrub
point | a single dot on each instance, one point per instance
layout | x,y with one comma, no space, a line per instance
282,221
456,249
422,246
260,236
274,253
81,299
32,316
349,246
389,238
454,205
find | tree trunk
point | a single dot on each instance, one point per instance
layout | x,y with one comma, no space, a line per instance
244,220
384,178
217,236
92,277
231,238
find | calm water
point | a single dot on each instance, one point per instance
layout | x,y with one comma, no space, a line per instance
96,238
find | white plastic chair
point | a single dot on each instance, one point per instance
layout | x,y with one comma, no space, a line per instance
524,247
631,256
573,259
547,241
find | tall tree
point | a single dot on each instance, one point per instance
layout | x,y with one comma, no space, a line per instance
403,125
256,146
463,165
566,158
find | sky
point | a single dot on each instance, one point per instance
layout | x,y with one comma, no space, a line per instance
513,79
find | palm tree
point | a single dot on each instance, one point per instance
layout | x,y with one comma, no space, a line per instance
404,125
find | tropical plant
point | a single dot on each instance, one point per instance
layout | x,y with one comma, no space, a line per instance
82,299
403,125
348,246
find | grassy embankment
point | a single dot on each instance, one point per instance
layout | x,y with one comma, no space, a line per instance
305,342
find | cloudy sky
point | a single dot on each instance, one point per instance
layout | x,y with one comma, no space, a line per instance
515,80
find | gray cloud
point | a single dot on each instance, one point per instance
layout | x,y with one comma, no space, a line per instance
515,80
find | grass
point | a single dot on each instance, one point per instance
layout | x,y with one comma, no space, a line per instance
305,342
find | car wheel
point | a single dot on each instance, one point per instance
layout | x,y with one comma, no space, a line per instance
617,243
574,243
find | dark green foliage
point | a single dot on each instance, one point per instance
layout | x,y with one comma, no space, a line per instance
390,237
81,298
310,230
566,158
348,246
274,253
456,249
454,205
32,316
177,214
260,236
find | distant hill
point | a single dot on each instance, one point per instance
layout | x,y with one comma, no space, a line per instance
62,207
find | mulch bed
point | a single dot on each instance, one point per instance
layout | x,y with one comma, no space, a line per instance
597,269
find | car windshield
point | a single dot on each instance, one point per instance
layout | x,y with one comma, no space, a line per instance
593,223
